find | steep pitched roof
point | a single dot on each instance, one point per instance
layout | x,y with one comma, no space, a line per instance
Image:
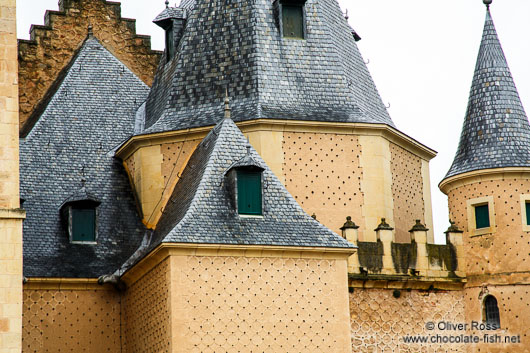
200,208
89,114
321,78
496,132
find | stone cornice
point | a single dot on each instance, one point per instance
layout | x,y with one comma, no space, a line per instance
388,132
483,175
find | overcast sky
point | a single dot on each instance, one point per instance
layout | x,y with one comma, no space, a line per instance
421,54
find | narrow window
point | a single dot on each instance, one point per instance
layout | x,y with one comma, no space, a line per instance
293,21
482,216
249,196
491,311
83,224
527,206
170,43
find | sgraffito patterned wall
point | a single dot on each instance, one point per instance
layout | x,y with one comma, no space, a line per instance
407,191
71,321
379,321
146,313
240,304
323,173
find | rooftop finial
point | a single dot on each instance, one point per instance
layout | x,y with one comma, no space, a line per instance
167,4
487,3
346,15
90,31
228,112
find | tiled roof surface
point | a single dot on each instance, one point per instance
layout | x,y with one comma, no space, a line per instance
322,78
91,113
200,209
496,132
170,13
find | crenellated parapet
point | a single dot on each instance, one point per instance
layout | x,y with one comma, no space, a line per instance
52,46
419,260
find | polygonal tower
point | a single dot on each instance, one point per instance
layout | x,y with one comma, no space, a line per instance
488,187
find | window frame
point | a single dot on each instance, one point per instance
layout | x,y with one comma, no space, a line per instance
497,320
71,209
524,199
258,172
471,216
292,3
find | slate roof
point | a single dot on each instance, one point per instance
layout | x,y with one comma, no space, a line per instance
170,13
496,132
321,78
91,112
200,209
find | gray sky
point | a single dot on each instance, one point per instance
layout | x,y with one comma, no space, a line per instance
421,54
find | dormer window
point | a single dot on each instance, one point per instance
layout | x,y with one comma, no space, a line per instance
292,14
170,42
249,192
80,216
243,182
82,224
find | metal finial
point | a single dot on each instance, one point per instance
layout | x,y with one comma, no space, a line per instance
346,15
248,149
167,4
90,31
487,3
228,112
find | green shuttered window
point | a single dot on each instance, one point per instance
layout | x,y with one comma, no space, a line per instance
482,216
293,21
527,205
84,224
249,192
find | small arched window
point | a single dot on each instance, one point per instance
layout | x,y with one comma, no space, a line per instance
491,311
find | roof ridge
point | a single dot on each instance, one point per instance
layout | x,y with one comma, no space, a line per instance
496,132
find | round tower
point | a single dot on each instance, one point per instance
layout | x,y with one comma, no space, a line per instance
488,189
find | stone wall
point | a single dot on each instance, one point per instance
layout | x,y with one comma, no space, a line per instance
53,45
146,319
71,320
407,191
10,215
380,321
323,173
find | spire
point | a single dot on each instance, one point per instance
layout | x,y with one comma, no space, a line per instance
496,133
228,112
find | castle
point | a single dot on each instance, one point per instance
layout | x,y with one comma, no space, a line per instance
246,190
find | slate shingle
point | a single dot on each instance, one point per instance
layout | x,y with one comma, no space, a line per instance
91,113
200,209
238,45
496,132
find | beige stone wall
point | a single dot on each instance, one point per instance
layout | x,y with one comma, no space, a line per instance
10,216
407,191
323,173
175,156
379,321
514,310
266,304
146,312
506,250
71,320
52,47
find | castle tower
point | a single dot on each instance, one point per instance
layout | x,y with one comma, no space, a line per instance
10,214
488,188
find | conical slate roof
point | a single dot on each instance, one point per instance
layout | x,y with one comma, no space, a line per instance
496,132
201,208
237,44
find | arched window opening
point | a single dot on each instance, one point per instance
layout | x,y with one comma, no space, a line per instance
491,311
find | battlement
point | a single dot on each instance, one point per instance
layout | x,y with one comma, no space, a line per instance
418,262
52,46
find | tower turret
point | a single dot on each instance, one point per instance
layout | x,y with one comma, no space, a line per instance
488,189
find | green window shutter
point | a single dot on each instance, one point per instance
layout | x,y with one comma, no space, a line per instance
249,192
527,205
482,216
83,224
293,21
